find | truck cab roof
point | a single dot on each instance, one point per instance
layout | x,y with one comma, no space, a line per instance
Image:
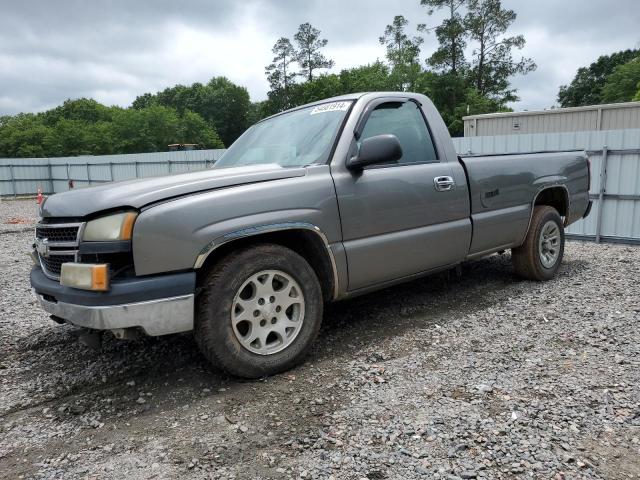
347,97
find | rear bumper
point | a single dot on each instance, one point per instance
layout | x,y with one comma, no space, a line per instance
159,305
588,210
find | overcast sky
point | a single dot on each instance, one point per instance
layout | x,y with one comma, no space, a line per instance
114,50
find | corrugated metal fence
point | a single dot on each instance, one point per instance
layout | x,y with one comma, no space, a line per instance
615,175
23,176
615,172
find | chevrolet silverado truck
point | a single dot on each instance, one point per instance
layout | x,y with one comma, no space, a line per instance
319,203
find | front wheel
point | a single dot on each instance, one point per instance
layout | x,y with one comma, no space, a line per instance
539,257
259,311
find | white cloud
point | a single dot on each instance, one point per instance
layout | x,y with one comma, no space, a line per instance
114,51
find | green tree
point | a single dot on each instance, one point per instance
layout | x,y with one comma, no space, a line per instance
101,139
322,86
180,97
367,78
258,111
74,128
73,137
22,136
149,129
445,90
145,100
226,107
195,129
280,73
223,104
373,77
637,95
403,53
83,109
448,59
308,54
493,64
451,34
586,86
474,103
622,84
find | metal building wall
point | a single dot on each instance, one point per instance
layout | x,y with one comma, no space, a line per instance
23,176
620,118
615,157
597,117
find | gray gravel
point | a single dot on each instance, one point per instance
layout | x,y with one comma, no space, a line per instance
482,377
17,215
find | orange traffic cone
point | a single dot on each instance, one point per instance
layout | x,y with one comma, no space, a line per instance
39,196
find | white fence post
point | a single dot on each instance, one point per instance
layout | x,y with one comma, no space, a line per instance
49,170
13,181
603,184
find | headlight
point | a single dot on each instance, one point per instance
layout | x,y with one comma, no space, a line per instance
110,228
85,276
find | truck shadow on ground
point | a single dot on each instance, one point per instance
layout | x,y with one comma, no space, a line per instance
172,365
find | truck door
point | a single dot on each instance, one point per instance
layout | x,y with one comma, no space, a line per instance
405,217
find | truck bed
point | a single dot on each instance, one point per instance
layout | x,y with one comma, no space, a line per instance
503,190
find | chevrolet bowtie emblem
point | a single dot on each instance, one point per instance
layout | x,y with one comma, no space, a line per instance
42,247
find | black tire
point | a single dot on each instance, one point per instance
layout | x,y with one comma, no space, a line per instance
526,259
214,332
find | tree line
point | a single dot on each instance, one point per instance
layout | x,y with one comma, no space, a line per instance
470,72
457,85
610,79
85,127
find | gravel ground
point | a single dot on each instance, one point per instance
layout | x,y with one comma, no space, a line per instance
17,215
485,376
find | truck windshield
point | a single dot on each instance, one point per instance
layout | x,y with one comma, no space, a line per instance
293,139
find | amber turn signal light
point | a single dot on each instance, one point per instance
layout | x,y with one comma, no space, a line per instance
85,276
126,230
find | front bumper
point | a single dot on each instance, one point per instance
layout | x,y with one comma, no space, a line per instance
159,305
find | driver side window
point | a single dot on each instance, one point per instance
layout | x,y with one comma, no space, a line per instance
405,121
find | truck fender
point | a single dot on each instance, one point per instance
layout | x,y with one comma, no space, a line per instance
535,199
270,228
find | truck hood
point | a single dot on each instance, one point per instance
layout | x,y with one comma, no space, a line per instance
138,193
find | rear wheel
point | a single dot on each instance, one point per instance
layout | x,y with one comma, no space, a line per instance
259,311
539,257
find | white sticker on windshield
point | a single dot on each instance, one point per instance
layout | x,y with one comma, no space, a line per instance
331,107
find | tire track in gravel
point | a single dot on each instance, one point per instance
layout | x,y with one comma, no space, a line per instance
364,319
8,232
364,316
89,387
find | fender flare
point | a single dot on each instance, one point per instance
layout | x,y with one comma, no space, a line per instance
535,198
270,228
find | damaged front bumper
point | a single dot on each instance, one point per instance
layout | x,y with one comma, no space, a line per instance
158,305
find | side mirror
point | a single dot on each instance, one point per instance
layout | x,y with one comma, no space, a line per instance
373,150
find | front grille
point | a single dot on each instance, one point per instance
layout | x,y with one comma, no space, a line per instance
57,243
53,263
58,234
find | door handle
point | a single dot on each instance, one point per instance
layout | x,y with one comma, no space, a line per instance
443,184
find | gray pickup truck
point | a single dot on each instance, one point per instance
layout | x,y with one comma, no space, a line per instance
319,203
